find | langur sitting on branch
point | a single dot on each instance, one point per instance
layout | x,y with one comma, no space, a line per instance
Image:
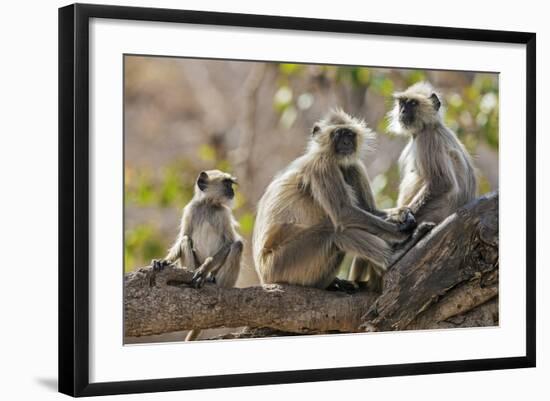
208,242
437,173
321,207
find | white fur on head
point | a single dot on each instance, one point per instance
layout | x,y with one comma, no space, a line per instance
320,137
214,190
426,114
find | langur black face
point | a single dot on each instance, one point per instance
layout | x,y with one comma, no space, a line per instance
407,111
216,184
228,188
344,141
417,111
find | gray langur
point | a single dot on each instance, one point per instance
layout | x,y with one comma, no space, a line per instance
208,242
322,207
437,173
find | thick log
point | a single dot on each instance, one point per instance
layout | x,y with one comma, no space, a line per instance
160,302
449,279
462,248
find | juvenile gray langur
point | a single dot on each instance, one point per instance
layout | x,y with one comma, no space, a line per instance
320,208
437,173
208,241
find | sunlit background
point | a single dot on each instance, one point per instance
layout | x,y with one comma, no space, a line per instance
251,119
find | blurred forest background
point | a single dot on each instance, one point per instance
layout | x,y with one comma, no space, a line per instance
251,119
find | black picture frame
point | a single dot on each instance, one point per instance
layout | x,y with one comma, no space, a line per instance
74,198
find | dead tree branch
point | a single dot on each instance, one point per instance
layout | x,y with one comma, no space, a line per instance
449,279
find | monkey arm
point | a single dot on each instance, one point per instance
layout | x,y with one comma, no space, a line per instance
439,178
419,199
357,178
329,190
211,265
188,254
182,249
433,189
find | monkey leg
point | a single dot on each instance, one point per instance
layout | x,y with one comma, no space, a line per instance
189,259
192,335
226,274
306,257
224,267
357,219
182,250
358,270
364,245
401,249
346,286
211,263
366,274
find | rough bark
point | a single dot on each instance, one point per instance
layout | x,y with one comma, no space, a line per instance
449,279
160,302
462,249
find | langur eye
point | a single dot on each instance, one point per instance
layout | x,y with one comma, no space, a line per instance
413,102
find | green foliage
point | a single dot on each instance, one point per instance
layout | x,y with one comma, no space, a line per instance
415,76
142,188
142,244
207,153
383,85
246,222
483,184
385,187
290,69
471,107
168,189
472,112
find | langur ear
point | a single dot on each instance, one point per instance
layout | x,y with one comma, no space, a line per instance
202,181
315,129
435,101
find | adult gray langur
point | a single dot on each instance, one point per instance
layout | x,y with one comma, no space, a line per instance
321,207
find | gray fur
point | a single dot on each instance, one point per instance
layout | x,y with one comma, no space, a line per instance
437,173
318,209
208,241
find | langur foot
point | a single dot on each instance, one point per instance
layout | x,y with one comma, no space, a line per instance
211,279
159,265
346,286
417,235
423,229
198,279
201,274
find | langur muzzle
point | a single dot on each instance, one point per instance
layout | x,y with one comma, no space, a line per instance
345,141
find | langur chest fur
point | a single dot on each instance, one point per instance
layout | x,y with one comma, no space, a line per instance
412,172
206,241
209,234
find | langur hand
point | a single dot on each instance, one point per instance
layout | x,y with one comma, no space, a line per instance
403,217
159,265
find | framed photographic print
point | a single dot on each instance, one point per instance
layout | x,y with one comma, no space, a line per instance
293,196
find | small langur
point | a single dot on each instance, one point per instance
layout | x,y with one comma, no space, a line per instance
437,173
320,208
208,242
